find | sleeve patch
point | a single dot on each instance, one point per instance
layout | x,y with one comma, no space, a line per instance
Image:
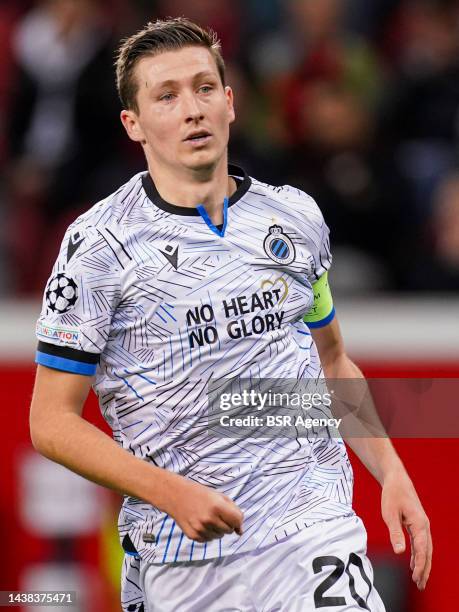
51,333
61,293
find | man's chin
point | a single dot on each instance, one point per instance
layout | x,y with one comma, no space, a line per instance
204,162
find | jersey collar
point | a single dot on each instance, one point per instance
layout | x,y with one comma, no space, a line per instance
152,193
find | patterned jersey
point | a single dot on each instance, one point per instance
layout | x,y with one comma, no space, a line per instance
156,301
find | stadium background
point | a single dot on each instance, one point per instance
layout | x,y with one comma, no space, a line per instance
357,103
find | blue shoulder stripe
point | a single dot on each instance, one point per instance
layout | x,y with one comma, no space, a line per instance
66,365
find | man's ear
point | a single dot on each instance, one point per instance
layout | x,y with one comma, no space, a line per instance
131,124
230,103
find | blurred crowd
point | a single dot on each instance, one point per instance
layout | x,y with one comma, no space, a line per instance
354,101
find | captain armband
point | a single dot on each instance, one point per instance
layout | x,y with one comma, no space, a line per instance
322,311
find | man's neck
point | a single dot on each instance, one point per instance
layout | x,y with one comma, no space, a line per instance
190,189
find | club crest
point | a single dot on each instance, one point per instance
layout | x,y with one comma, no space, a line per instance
278,246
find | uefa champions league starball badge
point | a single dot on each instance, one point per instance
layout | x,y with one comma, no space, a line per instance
278,246
61,293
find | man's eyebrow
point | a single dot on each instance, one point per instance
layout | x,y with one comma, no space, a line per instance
196,77
204,73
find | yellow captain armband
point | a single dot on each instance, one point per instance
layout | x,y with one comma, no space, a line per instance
322,311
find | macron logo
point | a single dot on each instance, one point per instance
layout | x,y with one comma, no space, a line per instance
171,255
74,242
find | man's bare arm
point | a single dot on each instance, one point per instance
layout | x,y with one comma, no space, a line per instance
60,433
400,503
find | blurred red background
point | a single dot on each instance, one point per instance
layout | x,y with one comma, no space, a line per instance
430,464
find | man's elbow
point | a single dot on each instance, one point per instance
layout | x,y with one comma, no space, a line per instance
340,365
43,437
39,439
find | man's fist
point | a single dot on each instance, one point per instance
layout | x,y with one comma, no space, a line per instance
202,513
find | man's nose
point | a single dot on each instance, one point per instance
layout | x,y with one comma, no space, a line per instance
193,111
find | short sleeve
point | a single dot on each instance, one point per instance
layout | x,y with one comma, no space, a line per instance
79,301
313,229
322,311
319,240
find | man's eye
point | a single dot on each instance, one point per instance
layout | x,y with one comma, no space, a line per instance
166,97
205,88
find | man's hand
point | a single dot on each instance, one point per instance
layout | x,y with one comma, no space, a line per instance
401,508
60,433
202,513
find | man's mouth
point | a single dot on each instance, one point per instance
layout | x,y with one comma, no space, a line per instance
198,137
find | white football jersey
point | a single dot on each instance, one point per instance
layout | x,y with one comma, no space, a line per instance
156,301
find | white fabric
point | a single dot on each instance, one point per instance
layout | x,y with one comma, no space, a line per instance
276,578
133,308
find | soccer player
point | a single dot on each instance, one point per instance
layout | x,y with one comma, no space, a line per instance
191,272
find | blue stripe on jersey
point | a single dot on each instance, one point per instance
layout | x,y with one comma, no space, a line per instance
133,512
323,322
161,528
66,365
132,554
168,541
178,547
203,212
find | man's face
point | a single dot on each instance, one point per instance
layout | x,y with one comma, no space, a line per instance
184,110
